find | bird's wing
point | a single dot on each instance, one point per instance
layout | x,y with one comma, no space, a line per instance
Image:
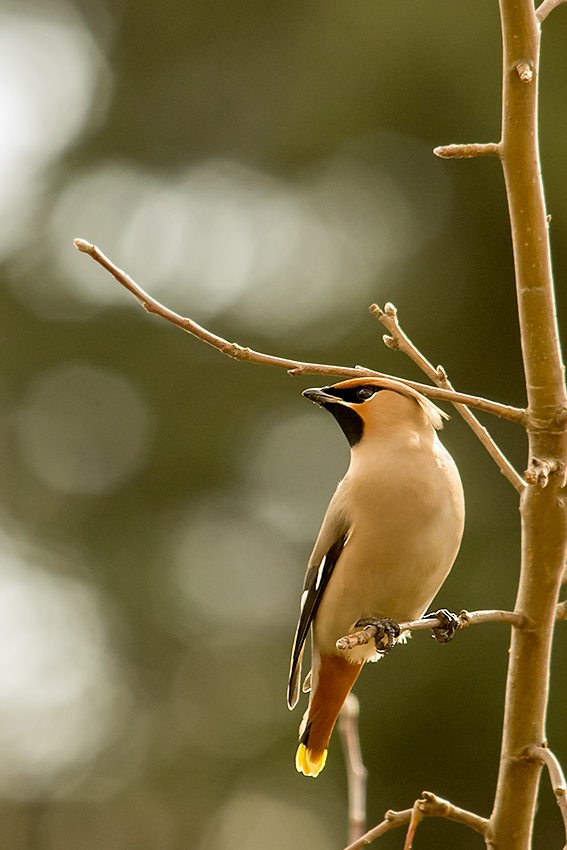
328,547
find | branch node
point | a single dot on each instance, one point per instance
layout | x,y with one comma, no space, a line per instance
397,818
432,806
467,151
84,246
390,342
525,72
539,470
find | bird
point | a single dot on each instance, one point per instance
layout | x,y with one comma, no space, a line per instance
388,541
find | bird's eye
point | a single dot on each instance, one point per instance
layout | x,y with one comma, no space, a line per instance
363,393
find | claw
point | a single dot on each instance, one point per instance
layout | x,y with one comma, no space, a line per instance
444,633
387,632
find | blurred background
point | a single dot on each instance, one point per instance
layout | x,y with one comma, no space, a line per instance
267,169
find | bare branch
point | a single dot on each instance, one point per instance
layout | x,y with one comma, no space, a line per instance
356,771
294,367
465,619
399,341
546,7
561,611
555,775
429,806
467,151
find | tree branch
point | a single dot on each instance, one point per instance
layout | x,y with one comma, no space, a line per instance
546,7
465,618
399,341
467,151
429,806
416,818
294,367
356,771
555,775
543,554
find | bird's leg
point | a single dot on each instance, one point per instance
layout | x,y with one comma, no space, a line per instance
387,631
444,633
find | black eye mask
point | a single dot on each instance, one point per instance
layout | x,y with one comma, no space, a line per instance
354,395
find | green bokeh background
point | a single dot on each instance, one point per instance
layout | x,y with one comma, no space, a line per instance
199,748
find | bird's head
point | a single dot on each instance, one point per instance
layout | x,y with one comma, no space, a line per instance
370,405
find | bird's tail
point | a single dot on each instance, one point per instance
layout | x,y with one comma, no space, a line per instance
334,680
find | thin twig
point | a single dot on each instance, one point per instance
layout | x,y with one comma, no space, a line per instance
399,341
294,367
546,7
467,151
556,777
436,807
561,611
429,806
356,771
391,821
465,618
416,818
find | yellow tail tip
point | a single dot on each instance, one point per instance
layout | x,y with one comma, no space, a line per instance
306,764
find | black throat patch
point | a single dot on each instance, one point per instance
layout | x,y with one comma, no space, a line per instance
349,420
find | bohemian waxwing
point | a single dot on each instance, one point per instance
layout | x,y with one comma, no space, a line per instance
387,543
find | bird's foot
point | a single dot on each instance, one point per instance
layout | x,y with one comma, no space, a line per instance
444,633
387,632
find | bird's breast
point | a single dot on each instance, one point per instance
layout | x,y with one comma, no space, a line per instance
406,521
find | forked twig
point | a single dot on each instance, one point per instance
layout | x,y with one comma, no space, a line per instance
399,341
356,771
428,806
294,367
465,618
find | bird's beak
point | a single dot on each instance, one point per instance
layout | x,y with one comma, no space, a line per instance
319,396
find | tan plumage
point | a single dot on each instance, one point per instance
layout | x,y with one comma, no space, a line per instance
387,543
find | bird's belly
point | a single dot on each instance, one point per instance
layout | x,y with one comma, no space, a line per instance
387,572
